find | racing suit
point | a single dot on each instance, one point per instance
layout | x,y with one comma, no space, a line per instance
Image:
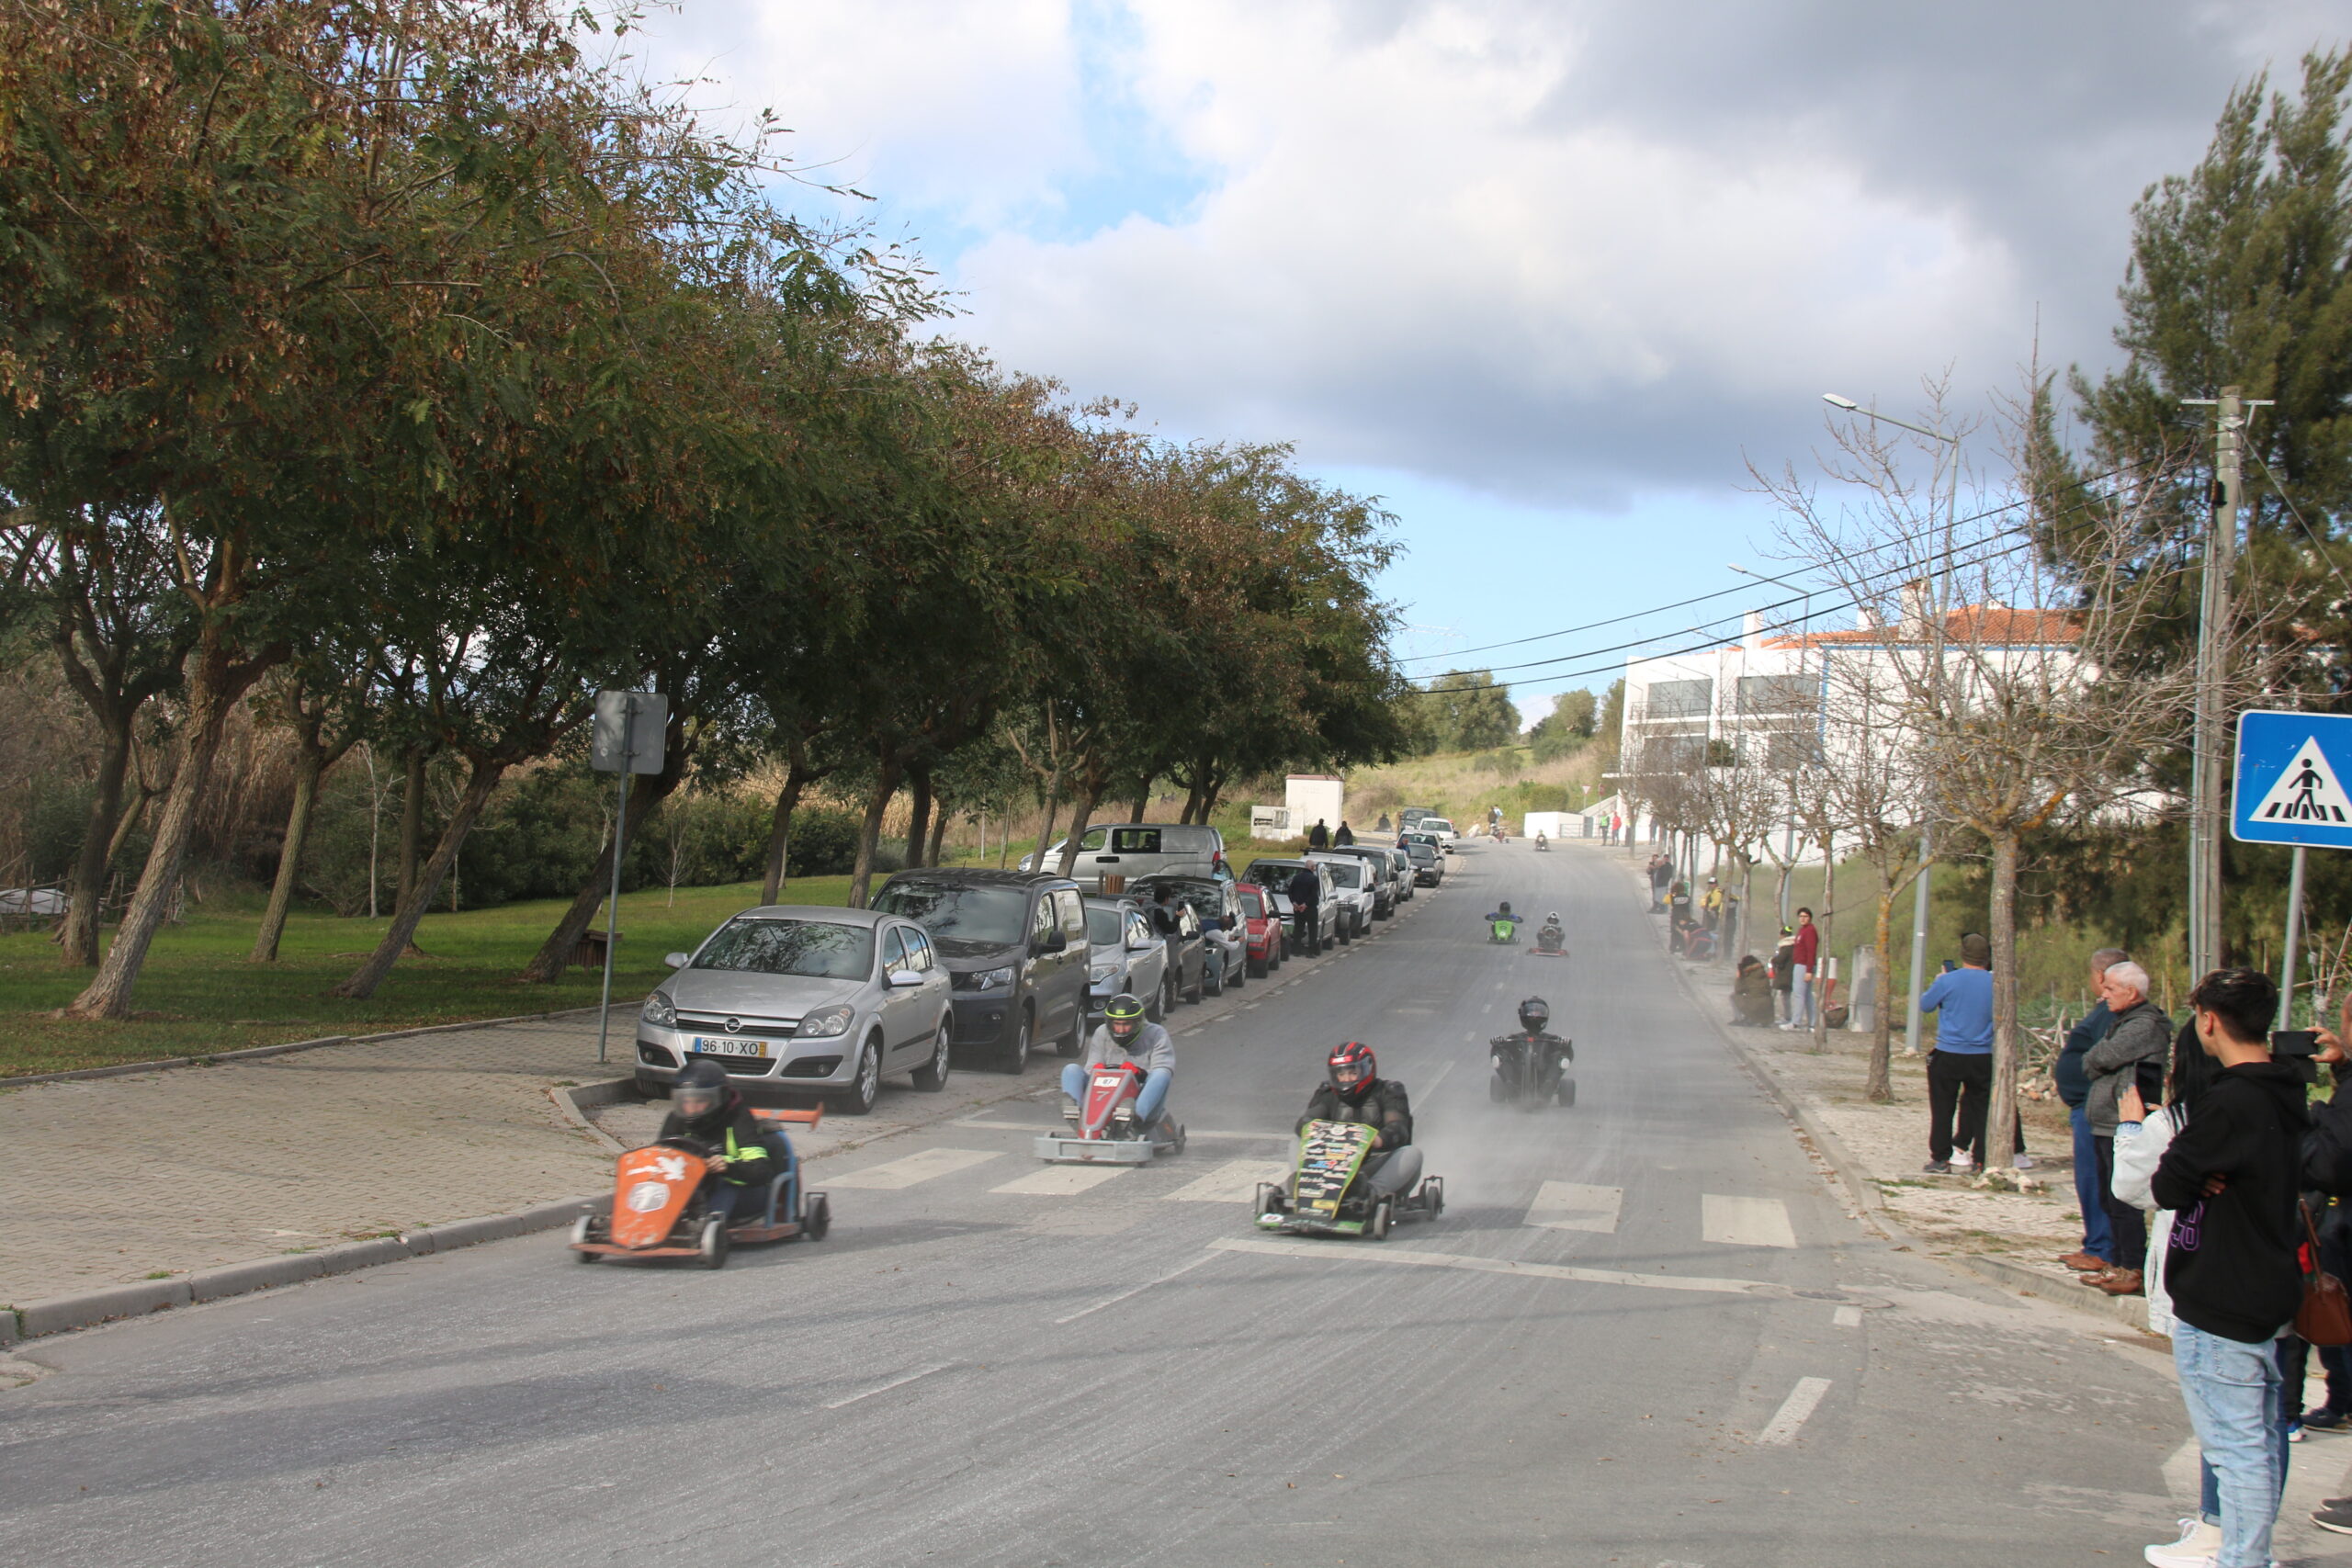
754,1154
1154,1050
1393,1165
1545,1055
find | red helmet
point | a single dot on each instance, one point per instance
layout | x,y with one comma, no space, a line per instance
1353,1068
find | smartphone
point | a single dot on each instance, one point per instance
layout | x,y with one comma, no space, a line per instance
2294,1042
1949,966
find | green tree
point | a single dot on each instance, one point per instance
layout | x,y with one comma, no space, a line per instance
1465,710
1566,728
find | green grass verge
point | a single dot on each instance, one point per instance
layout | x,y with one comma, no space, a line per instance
199,994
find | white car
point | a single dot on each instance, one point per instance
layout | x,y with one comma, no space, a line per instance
1441,830
1351,886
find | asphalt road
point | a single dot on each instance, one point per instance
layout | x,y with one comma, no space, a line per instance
1680,1351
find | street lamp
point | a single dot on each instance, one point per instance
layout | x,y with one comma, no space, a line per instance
1927,864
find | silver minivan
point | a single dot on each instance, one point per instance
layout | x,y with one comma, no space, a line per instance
1137,849
806,998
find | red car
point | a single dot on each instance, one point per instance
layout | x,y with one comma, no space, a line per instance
1262,927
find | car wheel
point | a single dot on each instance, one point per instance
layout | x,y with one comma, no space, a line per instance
1156,1009
1257,968
1015,1056
866,1088
710,1246
932,1076
1073,1043
1332,940
1168,998
1200,985
1347,930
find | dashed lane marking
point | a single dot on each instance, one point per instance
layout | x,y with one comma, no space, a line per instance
1063,1181
1571,1206
1745,1222
906,1172
1848,1317
1800,1403
1331,1252
1234,1181
1131,1290
894,1382
1043,1127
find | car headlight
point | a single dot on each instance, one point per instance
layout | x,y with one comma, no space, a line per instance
659,1010
994,979
1101,971
826,1022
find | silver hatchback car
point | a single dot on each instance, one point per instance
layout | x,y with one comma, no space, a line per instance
803,999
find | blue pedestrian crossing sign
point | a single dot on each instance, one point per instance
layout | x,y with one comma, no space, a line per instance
2290,779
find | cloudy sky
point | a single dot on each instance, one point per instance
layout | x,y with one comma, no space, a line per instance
1544,274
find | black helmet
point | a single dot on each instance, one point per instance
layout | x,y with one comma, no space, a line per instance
1504,907
1352,1069
700,1090
1534,1015
1124,1015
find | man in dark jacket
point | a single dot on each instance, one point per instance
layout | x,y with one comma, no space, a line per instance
2230,1178
1346,835
1318,837
1355,1092
2097,1252
2140,1033
1306,890
706,1108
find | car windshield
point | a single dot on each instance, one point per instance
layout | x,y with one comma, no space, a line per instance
1346,875
1253,900
1435,825
1208,902
998,916
817,949
1104,927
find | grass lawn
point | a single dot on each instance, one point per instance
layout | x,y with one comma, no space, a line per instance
199,994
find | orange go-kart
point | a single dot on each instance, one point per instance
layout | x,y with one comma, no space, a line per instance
658,1210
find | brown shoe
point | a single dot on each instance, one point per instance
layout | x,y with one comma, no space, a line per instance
2084,1263
2120,1283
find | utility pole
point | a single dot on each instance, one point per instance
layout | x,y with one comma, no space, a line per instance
2210,756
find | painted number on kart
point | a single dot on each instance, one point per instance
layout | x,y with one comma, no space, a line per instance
1110,1080
646,1197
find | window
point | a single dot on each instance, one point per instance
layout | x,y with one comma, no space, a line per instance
1188,923
1095,839
987,914
1135,841
1677,699
894,951
1072,909
1139,931
919,957
1776,694
1104,925
1041,922
817,949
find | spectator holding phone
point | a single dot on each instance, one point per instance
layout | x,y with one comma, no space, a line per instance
1960,1068
2141,1032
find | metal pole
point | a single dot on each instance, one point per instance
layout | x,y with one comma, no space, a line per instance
613,909
2212,632
2294,931
1918,940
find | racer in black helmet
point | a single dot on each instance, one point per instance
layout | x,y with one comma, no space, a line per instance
1126,1035
1532,1060
704,1108
1551,936
1352,1090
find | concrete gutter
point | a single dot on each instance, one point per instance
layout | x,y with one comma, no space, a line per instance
88,1308
253,1052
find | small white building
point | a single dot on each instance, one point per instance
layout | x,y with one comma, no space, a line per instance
1312,799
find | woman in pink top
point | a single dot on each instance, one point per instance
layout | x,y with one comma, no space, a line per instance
1808,945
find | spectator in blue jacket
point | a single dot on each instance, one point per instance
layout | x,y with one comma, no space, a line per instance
2074,1081
1959,1069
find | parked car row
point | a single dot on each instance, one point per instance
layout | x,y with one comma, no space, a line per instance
981,967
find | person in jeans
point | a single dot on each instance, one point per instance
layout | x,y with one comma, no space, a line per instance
1960,1068
2097,1255
2140,1033
2230,1178
1804,955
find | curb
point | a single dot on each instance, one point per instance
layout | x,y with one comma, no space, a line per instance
250,1053
574,1104
88,1308
2129,1311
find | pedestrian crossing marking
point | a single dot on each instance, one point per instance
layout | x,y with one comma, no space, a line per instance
914,1168
1062,1181
1570,1206
2306,792
1745,1222
1234,1181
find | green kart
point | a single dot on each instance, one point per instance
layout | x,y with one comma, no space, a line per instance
1324,1196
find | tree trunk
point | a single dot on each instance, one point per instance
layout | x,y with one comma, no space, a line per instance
2000,1116
1045,830
1143,802
646,794
917,813
787,800
412,824
938,836
310,765
869,835
362,984
1879,1088
1089,793
1192,802
1825,920
88,888
215,682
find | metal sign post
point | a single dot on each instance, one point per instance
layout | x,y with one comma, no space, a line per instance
2289,790
627,739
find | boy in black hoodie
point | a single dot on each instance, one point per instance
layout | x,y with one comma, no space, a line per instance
2230,1178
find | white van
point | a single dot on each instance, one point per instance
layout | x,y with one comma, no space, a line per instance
1134,850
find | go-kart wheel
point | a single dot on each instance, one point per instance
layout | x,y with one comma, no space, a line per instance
1433,1195
710,1244
866,1088
932,1076
817,1217
1268,1200
1494,1089
1180,1139
581,1233
1567,1092
1382,1213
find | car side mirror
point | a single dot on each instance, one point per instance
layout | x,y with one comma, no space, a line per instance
1053,944
904,979
1142,943
678,960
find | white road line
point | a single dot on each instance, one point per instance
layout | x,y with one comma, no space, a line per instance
1488,1007
1062,1181
1131,1290
1569,1206
1335,1253
1783,1426
1848,1317
894,1382
1228,1183
908,1171
1223,1136
1745,1222
1431,1093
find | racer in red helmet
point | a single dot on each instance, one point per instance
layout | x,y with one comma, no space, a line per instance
1354,1091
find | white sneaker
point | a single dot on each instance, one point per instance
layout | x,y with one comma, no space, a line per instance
2199,1544
1961,1162
2023,1162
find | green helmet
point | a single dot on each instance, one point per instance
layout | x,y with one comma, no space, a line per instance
1124,1015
